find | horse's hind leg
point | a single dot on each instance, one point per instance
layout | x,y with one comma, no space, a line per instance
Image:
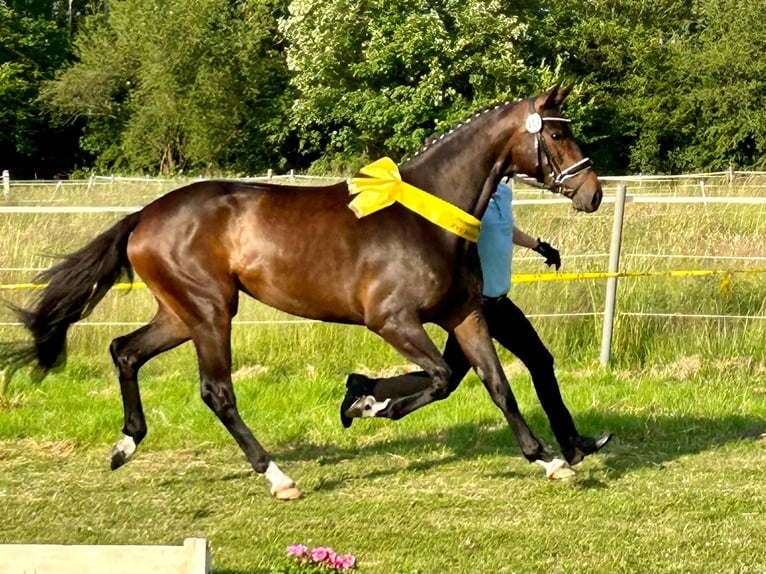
129,352
213,344
406,334
205,302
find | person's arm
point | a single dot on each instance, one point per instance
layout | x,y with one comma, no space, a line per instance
523,239
551,254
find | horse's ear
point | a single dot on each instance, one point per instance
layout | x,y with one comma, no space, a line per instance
562,94
554,97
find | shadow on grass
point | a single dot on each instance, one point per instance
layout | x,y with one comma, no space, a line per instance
640,441
644,440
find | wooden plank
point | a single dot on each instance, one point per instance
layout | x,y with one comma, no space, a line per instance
191,558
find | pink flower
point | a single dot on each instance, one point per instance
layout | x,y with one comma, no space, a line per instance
320,553
334,561
345,562
324,557
298,550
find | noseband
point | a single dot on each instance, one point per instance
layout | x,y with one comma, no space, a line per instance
534,125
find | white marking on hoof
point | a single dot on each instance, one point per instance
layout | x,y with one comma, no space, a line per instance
366,407
122,451
282,486
126,446
556,469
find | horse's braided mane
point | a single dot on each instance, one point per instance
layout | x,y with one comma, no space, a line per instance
437,137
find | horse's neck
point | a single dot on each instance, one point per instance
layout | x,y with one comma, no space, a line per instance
460,169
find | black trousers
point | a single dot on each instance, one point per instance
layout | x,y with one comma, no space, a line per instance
510,327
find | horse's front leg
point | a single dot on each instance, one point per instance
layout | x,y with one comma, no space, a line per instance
473,336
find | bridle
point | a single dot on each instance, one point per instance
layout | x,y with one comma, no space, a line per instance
559,176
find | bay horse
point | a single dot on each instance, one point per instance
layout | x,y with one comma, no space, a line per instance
303,251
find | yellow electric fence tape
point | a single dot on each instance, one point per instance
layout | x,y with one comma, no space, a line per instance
539,277
384,186
18,286
529,277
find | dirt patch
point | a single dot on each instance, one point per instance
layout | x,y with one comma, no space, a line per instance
679,369
56,449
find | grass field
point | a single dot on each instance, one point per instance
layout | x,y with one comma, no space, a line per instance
681,488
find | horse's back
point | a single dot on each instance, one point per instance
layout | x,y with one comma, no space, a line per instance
298,249
229,219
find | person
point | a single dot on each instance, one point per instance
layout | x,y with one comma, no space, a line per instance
507,325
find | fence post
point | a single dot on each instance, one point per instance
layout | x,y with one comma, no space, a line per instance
611,282
6,184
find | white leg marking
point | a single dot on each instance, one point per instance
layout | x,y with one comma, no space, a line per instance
127,446
556,469
366,407
278,479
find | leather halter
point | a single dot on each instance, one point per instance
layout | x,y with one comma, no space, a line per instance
559,176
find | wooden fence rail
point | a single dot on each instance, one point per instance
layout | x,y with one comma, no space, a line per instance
191,558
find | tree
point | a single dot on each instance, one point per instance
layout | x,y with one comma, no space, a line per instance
375,77
34,44
724,92
206,85
624,54
177,85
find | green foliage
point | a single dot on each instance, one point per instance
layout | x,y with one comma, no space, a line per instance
209,85
30,51
376,78
725,86
623,53
178,85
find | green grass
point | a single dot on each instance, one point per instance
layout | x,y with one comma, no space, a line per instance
444,490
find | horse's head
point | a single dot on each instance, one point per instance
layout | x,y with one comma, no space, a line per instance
543,148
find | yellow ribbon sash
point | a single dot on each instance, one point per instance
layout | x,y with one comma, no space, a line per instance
384,186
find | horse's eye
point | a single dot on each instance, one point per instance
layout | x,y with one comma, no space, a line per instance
556,135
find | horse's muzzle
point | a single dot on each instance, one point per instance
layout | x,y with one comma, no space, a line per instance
589,195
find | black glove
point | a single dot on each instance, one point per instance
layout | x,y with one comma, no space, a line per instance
551,254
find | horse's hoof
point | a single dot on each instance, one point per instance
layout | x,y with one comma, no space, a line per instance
556,469
122,451
582,446
562,473
118,459
290,492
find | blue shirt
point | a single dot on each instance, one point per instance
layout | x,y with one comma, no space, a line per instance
496,243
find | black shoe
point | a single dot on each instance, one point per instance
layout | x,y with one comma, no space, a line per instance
582,446
357,386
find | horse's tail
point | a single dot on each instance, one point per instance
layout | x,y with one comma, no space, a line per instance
74,287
